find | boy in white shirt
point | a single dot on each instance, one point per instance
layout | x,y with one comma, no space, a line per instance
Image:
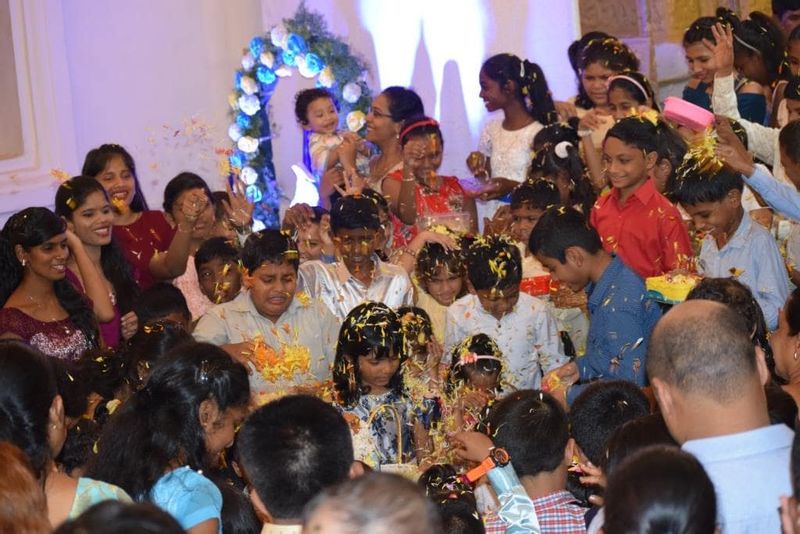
523,326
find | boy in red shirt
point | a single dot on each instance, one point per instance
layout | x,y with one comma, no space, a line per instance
635,221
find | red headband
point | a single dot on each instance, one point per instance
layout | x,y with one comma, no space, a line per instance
419,124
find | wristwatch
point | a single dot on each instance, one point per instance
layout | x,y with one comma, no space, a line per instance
497,457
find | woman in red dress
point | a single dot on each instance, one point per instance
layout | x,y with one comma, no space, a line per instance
155,250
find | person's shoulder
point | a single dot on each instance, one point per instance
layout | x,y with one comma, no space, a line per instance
313,266
98,490
393,270
751,87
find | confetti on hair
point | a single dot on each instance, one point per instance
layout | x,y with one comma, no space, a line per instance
60,174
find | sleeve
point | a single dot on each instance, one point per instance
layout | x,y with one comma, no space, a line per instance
330,334
723,99
781,197
516,508
623,353
319,149
201,502
676,247
211,328
772,282
547,339
760,138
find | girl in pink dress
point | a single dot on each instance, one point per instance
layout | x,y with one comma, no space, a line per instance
83,204
424,197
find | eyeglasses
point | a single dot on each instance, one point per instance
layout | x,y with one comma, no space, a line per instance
379,114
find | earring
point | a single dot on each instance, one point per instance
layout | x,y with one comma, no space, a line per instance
795,354
23,262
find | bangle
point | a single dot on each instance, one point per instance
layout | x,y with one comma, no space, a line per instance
183,229
408,180
586,132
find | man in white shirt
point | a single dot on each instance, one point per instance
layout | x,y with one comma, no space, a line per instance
709,382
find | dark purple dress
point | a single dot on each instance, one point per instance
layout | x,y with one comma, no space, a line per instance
60,339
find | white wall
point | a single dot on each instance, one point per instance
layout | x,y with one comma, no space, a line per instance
137,72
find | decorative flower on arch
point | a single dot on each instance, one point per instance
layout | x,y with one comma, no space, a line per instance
305,44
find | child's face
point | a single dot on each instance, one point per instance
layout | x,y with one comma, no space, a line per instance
498,302
719,219
626,166
272,288
492,93
792,168
483,381
444,286
377,373
572,273
431,155
309,242
322,116
221,430
523,221
220,280
701,62
793,56
595,82
355,246
93,220
792,109
621,103
752,67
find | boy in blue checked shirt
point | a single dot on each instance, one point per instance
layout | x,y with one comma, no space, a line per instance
620,318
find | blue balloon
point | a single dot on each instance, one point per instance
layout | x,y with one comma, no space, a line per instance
253,193
296,44
256,46
243,121
237,79
314,63
288,58
265,75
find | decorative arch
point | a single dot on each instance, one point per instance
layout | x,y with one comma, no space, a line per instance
302,43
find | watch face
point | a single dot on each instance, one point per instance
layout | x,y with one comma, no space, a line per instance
500,456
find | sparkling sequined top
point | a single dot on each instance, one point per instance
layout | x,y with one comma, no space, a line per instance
140,240
60,339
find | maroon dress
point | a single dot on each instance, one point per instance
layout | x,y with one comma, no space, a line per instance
140,241
60,339
110,332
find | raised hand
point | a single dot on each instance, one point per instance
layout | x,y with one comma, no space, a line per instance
730,149
476,163
238,208
722,49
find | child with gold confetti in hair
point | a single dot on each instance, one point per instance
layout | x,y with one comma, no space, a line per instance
218,273
523,326
370,390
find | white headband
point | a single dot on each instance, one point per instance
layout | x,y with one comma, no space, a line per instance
470,357
746,45
639,86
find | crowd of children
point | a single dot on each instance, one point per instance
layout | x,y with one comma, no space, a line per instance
492,338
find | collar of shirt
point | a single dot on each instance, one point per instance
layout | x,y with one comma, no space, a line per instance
271,528
343,274
644,194
556,499
597,291
733,446
740,237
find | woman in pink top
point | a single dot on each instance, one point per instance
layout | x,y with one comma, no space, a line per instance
83,204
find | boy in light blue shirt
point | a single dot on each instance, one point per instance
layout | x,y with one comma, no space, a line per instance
734,245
